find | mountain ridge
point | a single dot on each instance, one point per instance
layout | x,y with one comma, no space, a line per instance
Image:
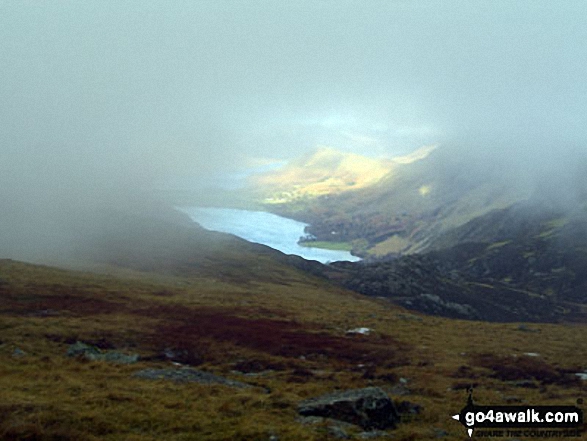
421,196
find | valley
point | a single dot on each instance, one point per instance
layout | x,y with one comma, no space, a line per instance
182,298
420,196
292,221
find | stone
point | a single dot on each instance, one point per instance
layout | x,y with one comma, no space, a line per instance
408,408
119,358
400,389
369,408
363,331
92,353
338,432
79,349
374,434
17,353
187,375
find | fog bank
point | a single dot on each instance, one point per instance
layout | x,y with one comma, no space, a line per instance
103,101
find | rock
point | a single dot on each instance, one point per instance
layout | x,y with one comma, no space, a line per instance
408,411
187,375
92,353
79,349
17,353
408,408
374,434
363,331
338,432
310,420
369,408
435,304
119,358
400,389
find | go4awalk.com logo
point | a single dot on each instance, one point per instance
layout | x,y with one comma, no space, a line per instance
520,421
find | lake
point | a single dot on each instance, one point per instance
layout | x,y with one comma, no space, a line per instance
265,228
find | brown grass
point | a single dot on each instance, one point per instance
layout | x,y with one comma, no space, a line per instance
286,339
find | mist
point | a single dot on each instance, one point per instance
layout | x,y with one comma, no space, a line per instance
102,102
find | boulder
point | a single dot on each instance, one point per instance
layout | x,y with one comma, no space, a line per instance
369,408
18,353
92,353
119,358
187,375
79,349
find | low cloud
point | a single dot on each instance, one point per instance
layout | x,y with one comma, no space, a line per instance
104,101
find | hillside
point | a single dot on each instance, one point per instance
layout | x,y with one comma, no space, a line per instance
421,196
441,237
325,171
271,334
519,263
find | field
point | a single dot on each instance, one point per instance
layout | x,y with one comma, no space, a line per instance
287,339
337,246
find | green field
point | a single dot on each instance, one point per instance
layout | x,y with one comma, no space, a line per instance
337,246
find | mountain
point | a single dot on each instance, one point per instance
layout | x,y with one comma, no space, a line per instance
154,328
441,236
325,171
419,197
518,263
167,331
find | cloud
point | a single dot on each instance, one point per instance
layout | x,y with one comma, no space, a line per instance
102,98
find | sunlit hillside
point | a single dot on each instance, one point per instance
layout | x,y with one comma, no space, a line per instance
396,208
326,171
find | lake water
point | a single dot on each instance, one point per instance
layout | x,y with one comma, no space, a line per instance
265,228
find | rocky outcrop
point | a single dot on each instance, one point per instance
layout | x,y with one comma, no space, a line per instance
187,375
369,408
92,353
447,284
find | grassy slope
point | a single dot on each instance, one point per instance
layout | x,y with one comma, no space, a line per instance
337,246
235,322
521,263
324,171
401,211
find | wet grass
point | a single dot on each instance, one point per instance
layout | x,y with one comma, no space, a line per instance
287,339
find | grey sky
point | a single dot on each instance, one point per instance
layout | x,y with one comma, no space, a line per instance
118,94
107,84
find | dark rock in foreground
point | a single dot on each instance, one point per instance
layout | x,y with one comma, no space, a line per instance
369,408
187,375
